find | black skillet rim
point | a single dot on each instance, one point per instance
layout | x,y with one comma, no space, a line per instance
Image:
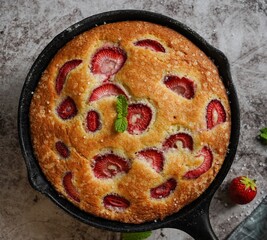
35,175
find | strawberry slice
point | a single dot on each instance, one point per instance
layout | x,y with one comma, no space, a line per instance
182,86
64,71
154,157
106,90
108,61
109,165
93,121
150,44
112,201
204,167
215,113
163,190
184,138
139,117
67,109
70,188
62,149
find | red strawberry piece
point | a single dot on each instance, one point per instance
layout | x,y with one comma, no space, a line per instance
108,61
93,121
70,188
112,201
242,190
154,157
181,86
139,117
204,167
67,109
150,44
62,149
64,71
184,138
215,113
163,190
109,165
106,90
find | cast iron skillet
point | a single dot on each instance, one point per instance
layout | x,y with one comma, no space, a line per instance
194,218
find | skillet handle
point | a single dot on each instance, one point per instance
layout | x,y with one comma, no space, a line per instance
197,223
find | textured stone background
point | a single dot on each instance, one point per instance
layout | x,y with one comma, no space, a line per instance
236,27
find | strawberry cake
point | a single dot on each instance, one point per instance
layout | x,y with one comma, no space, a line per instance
130,121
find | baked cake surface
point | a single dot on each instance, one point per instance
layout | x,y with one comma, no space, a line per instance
178,121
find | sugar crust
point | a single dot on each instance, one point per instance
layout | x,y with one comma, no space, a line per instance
142,77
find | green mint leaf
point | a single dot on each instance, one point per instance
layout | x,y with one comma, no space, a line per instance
121,124
122,106
136,236
263,130
263,136
122,111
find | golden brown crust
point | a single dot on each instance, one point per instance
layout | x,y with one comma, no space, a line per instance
142,76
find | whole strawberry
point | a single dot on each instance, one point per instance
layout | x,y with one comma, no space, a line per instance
242,190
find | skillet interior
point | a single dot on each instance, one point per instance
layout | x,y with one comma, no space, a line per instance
36,177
